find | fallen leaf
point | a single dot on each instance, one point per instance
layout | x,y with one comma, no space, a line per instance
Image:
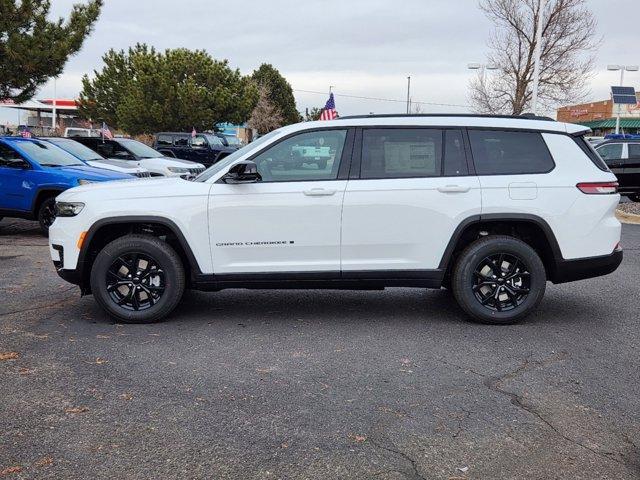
44,462
9,355
284,445
126,396
10,470
25,371
76,410
99,361
358,438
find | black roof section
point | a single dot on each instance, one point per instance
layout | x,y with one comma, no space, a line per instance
524,116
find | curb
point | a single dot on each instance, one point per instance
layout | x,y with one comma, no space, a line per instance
629,218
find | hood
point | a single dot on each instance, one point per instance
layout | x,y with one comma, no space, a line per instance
91,173
120,164
134,189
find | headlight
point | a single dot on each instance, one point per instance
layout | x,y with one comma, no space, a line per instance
68,209
178,170
82,181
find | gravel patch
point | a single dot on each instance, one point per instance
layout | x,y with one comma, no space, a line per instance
630,207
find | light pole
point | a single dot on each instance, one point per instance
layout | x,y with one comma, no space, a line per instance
622,68
408,95
536,55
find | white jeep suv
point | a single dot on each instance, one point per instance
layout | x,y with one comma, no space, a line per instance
489,207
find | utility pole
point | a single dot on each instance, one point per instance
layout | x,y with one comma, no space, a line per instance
408,95
537,50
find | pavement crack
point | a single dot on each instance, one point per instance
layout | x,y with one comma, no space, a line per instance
495,384
414,473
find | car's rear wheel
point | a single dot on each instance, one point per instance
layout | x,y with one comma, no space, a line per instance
47,214
499,280
138,279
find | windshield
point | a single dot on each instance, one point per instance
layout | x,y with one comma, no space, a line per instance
77,149
224,164
214,140
139,149
48,155
234,141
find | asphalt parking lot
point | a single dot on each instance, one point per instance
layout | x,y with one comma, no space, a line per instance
316,384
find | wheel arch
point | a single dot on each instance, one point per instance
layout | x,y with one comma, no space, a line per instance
41,195
108,229
531,229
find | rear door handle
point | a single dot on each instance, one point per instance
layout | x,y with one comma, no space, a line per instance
319,192
454,189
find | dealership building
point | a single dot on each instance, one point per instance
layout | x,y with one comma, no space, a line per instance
601,116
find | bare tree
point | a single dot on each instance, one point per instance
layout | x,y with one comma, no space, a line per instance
567,54
266,116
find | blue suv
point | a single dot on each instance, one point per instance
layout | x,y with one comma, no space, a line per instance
33,173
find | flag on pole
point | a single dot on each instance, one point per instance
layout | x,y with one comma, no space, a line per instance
106,133
25,133
329,111
193,133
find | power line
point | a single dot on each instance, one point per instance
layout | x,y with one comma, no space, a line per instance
379,99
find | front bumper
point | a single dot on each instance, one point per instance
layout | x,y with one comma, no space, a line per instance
582,268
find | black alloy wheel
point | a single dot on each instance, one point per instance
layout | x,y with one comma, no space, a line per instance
47,214
135,281
502,282
498,279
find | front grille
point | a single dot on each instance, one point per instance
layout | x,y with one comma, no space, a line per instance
143,174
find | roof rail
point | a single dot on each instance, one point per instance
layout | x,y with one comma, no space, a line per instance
524,116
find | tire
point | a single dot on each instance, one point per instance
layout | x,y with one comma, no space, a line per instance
47,214
516,289
162,281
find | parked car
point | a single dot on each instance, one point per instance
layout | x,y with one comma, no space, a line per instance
94,159
230,140
34,172
622,156
137,153
490,207
70,132
205,148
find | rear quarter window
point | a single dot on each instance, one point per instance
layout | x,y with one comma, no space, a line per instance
591,152
164,140
501,152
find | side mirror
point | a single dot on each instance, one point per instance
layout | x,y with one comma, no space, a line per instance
243,172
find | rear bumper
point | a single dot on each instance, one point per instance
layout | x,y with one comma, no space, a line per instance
582,268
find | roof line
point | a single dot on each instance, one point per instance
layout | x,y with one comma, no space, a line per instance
525,116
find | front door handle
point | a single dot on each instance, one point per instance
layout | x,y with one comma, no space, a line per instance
454,189
319,192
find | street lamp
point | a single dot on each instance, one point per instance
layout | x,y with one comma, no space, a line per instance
482,67
622,68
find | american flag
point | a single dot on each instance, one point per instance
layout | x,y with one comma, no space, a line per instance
193,133
106,133
329,111
25,133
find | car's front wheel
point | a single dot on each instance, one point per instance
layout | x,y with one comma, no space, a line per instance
47,214
498,280
138,279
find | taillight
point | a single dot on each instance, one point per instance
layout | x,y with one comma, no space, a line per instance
598,188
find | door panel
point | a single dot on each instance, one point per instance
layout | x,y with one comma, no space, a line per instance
405,221
632,167
16,186
288,222
276,227
404,224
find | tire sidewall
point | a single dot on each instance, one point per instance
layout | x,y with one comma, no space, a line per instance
470,259
166,260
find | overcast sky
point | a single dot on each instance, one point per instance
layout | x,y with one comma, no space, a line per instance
361,47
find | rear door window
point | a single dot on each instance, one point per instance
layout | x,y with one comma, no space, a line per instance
401,153
610,151
634,151
503,152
